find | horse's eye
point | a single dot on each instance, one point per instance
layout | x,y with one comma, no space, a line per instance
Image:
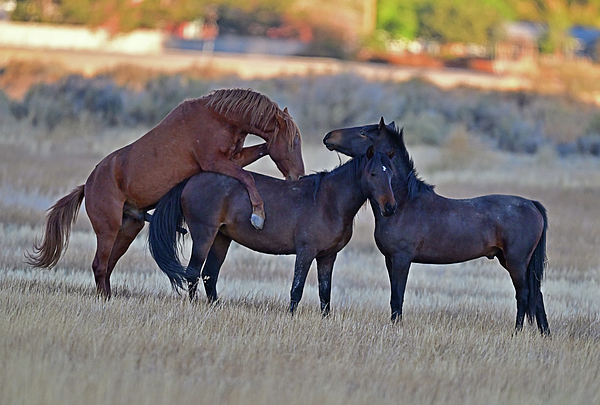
362,133
373,174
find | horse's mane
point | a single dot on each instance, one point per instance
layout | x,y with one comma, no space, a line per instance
353,164
414,184
246,103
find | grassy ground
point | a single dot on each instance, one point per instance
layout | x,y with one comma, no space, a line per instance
59,344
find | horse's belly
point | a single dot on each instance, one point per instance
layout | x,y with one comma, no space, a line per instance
447,258
261,241
455,248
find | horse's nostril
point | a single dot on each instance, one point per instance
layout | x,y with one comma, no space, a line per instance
389,209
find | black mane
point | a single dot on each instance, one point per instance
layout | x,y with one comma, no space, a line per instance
414,184
356,163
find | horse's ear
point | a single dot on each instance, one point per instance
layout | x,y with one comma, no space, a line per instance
370,152
391,154
286,111
401,134
280,119
381,123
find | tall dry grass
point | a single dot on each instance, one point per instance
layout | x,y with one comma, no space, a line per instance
59,344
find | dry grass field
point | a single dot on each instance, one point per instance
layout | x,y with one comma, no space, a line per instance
59,344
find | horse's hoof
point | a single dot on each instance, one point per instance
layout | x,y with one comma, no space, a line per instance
257,222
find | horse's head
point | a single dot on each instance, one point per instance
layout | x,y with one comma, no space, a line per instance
377,180
285,147
354,141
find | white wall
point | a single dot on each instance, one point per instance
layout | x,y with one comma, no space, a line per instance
33,35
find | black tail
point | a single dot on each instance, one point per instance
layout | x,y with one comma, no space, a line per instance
535,269
162,236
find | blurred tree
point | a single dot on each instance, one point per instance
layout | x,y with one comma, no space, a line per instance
398,18
443,20
559,15
467,21
76,11
126,15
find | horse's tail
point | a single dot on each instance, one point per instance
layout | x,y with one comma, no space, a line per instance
535,269
61,216
162,235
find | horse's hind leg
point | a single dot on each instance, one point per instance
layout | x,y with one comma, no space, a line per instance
127,233
106,221
303,260
324,270
521,294
518,276
203,238
214,261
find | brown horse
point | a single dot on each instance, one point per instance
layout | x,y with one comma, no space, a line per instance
311,217
204,134
429,228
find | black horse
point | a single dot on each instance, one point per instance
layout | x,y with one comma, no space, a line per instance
311,217
428,228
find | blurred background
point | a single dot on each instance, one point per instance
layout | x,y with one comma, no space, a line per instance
518,74
495,96
440,31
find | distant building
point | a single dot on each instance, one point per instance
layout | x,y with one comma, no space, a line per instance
518,50
587,42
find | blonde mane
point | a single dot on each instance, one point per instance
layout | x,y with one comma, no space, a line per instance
246,103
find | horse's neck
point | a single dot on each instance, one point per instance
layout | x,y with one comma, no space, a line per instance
402,166
400,181
260,131
348,195
244,123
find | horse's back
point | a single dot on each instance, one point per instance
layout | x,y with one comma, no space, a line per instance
510,208
146,169
219,201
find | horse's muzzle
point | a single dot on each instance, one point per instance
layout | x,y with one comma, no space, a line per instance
388,209
327,144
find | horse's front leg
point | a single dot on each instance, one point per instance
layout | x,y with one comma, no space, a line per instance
398,265
301,267
324,270
250,154
228,168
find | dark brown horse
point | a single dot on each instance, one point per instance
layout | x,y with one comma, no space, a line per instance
205,134
428,228
311,217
